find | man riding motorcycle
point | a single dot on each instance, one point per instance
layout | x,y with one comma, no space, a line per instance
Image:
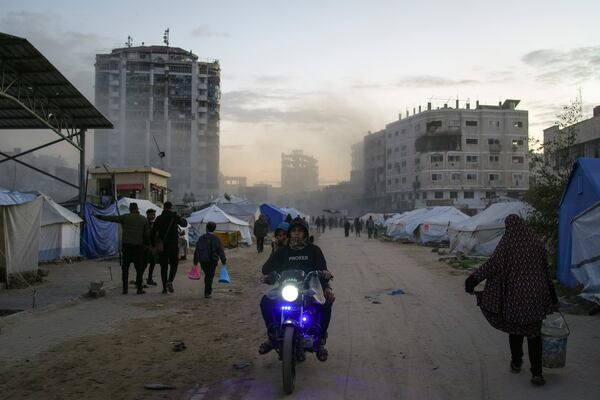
298,254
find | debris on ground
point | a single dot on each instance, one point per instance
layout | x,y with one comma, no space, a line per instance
178,345
242,364
158,386
96,290
469,263
396,292
373,299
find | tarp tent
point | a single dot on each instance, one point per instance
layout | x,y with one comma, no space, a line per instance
274,214
224,221
404,225
480,234
245,211
100,238
60,233
434,226
582,192
585,252
378,218
20,222
294,212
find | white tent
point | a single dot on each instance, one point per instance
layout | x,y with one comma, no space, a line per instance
404,225
143,206
585,253
294,212
60,232
20,219
377,218
480,234
224,221
241,210
434,226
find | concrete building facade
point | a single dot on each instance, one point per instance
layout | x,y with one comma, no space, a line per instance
374,173
464,157
299,172
165,106
146,183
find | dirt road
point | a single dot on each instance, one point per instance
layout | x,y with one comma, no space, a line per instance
430,343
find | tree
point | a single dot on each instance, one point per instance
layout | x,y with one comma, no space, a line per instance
551,162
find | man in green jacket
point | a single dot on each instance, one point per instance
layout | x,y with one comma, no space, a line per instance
135,239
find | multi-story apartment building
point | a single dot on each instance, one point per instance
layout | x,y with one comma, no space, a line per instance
452,156
357,164
299,172
164,103
586,140
374,173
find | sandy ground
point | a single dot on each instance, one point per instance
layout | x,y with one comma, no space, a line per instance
430,343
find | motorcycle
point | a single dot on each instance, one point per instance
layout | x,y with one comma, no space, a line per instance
297,328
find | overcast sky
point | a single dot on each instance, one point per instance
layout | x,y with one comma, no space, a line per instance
317,75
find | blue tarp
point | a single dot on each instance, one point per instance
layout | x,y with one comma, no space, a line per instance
10,198
100,238
582,191
274,214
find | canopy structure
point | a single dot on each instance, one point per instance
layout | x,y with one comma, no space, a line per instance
20,221
35,95
60,232
245,211
434,226
404,225
480,234
293,212
585,253
224,221
143,206
274,214
582,192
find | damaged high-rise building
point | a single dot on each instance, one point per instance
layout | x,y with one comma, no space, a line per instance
164,103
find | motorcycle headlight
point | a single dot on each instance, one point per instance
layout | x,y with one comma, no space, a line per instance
289,292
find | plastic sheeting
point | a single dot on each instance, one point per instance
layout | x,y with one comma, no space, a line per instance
585,252
274,214
60,232
225,223
100,238
245,211
481,234
434,227
404,225
581,193
143,206
20,222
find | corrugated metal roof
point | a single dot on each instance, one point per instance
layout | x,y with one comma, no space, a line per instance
20,58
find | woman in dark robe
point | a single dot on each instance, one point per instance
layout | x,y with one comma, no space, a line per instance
518,292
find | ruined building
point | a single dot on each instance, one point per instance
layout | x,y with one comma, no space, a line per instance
299,172
164,103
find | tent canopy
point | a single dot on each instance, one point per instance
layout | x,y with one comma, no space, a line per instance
582,192
585,253
404,225
480,234
274,214
434,226
224,222
293,212
143,206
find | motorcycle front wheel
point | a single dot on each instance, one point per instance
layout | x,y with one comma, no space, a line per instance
288,358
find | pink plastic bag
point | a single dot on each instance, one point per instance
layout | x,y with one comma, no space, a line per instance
194,274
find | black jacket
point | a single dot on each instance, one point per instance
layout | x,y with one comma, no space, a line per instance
308,259
161,224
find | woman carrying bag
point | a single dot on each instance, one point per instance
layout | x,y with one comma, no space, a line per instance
518,292
209,250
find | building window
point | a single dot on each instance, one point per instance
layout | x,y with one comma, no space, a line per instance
518,124
493,141
453,158
471,123
436,177
410,196
518,159
402,196
390,134
417,196
494,177
517,142
439,195
494,124
389,166
454,195
396,133
472,159
456,177
454,123
389,151
494,159
389,182
471,177
417,161
437,158
517,179
403,179
424,196
403,164
469,195
396,181
472,141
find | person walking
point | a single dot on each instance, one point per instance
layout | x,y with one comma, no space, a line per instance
261,228
323,223
518,292
318,222
357,227
370,225
135,238
209,250
347,228
150,259
165,239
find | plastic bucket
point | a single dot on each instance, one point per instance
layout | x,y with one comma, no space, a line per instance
555,332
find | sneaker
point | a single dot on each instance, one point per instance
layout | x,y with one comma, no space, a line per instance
170,287
207,296
538,380
150,282
515,367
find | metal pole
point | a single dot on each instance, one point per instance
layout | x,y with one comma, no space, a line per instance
82,174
